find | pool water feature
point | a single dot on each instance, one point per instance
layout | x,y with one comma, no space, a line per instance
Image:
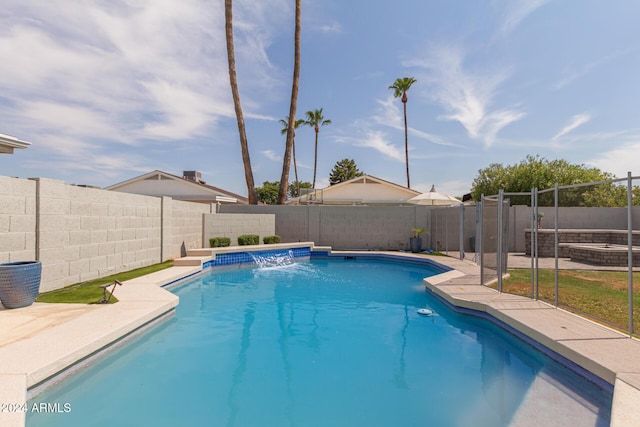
318,343
273,258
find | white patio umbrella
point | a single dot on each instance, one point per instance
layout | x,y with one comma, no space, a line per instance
434,198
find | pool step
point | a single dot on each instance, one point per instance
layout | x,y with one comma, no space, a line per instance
199,252
191,261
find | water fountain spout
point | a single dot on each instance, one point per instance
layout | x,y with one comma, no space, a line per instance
273,259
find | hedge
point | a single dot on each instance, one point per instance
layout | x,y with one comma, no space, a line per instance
271,239
218,242
248,239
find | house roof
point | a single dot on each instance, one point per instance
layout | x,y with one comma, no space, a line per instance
365,189
9,143
176,187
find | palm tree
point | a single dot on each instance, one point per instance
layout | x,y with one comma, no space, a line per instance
400,87
286,163
285,123
248,172
316,119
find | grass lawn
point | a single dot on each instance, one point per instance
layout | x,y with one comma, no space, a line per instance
91,293
601,295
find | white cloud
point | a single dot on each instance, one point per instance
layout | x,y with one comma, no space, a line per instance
466,94
575,122
572,75
377,140
389,114
515,12
271,155
89,75
132,72
331,28
322,182
620,160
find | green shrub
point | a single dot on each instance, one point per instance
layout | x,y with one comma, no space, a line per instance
218,242
248,239
268,240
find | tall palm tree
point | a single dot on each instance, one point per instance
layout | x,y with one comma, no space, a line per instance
285,128
246,160
316,119
400,88
286,163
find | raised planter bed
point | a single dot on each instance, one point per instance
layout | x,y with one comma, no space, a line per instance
606,255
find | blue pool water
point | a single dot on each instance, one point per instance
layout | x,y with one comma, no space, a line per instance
322,343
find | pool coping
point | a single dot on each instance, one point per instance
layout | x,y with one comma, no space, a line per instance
43,353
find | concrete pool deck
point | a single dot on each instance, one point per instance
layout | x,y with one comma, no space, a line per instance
38,341
41,340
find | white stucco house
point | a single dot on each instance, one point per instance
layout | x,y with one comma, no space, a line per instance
362,190
190,187
9,143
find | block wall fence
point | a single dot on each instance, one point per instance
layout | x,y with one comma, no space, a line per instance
81,233
389,227
344,227
84,233
234,225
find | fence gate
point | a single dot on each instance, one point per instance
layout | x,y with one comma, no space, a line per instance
492,228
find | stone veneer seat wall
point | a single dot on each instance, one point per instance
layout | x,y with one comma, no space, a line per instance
546,240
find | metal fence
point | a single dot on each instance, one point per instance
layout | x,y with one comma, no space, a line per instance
493,233
453,230
573,262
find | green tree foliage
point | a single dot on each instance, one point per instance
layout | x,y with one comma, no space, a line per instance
538,172
344,170
294,187
268,193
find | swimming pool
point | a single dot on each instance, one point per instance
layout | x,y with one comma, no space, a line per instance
323,342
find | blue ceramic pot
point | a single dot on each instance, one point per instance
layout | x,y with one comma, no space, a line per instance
19,283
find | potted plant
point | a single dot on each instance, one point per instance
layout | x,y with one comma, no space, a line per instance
415,242
19,283
539,217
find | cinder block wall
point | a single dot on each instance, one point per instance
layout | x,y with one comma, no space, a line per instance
377,227
344,227
591,218
292,223
186,227
86,233
234,225
17,220
444,233
370,227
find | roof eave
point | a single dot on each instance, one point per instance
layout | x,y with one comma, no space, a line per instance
9,143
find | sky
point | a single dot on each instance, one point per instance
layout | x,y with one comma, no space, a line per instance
108,90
